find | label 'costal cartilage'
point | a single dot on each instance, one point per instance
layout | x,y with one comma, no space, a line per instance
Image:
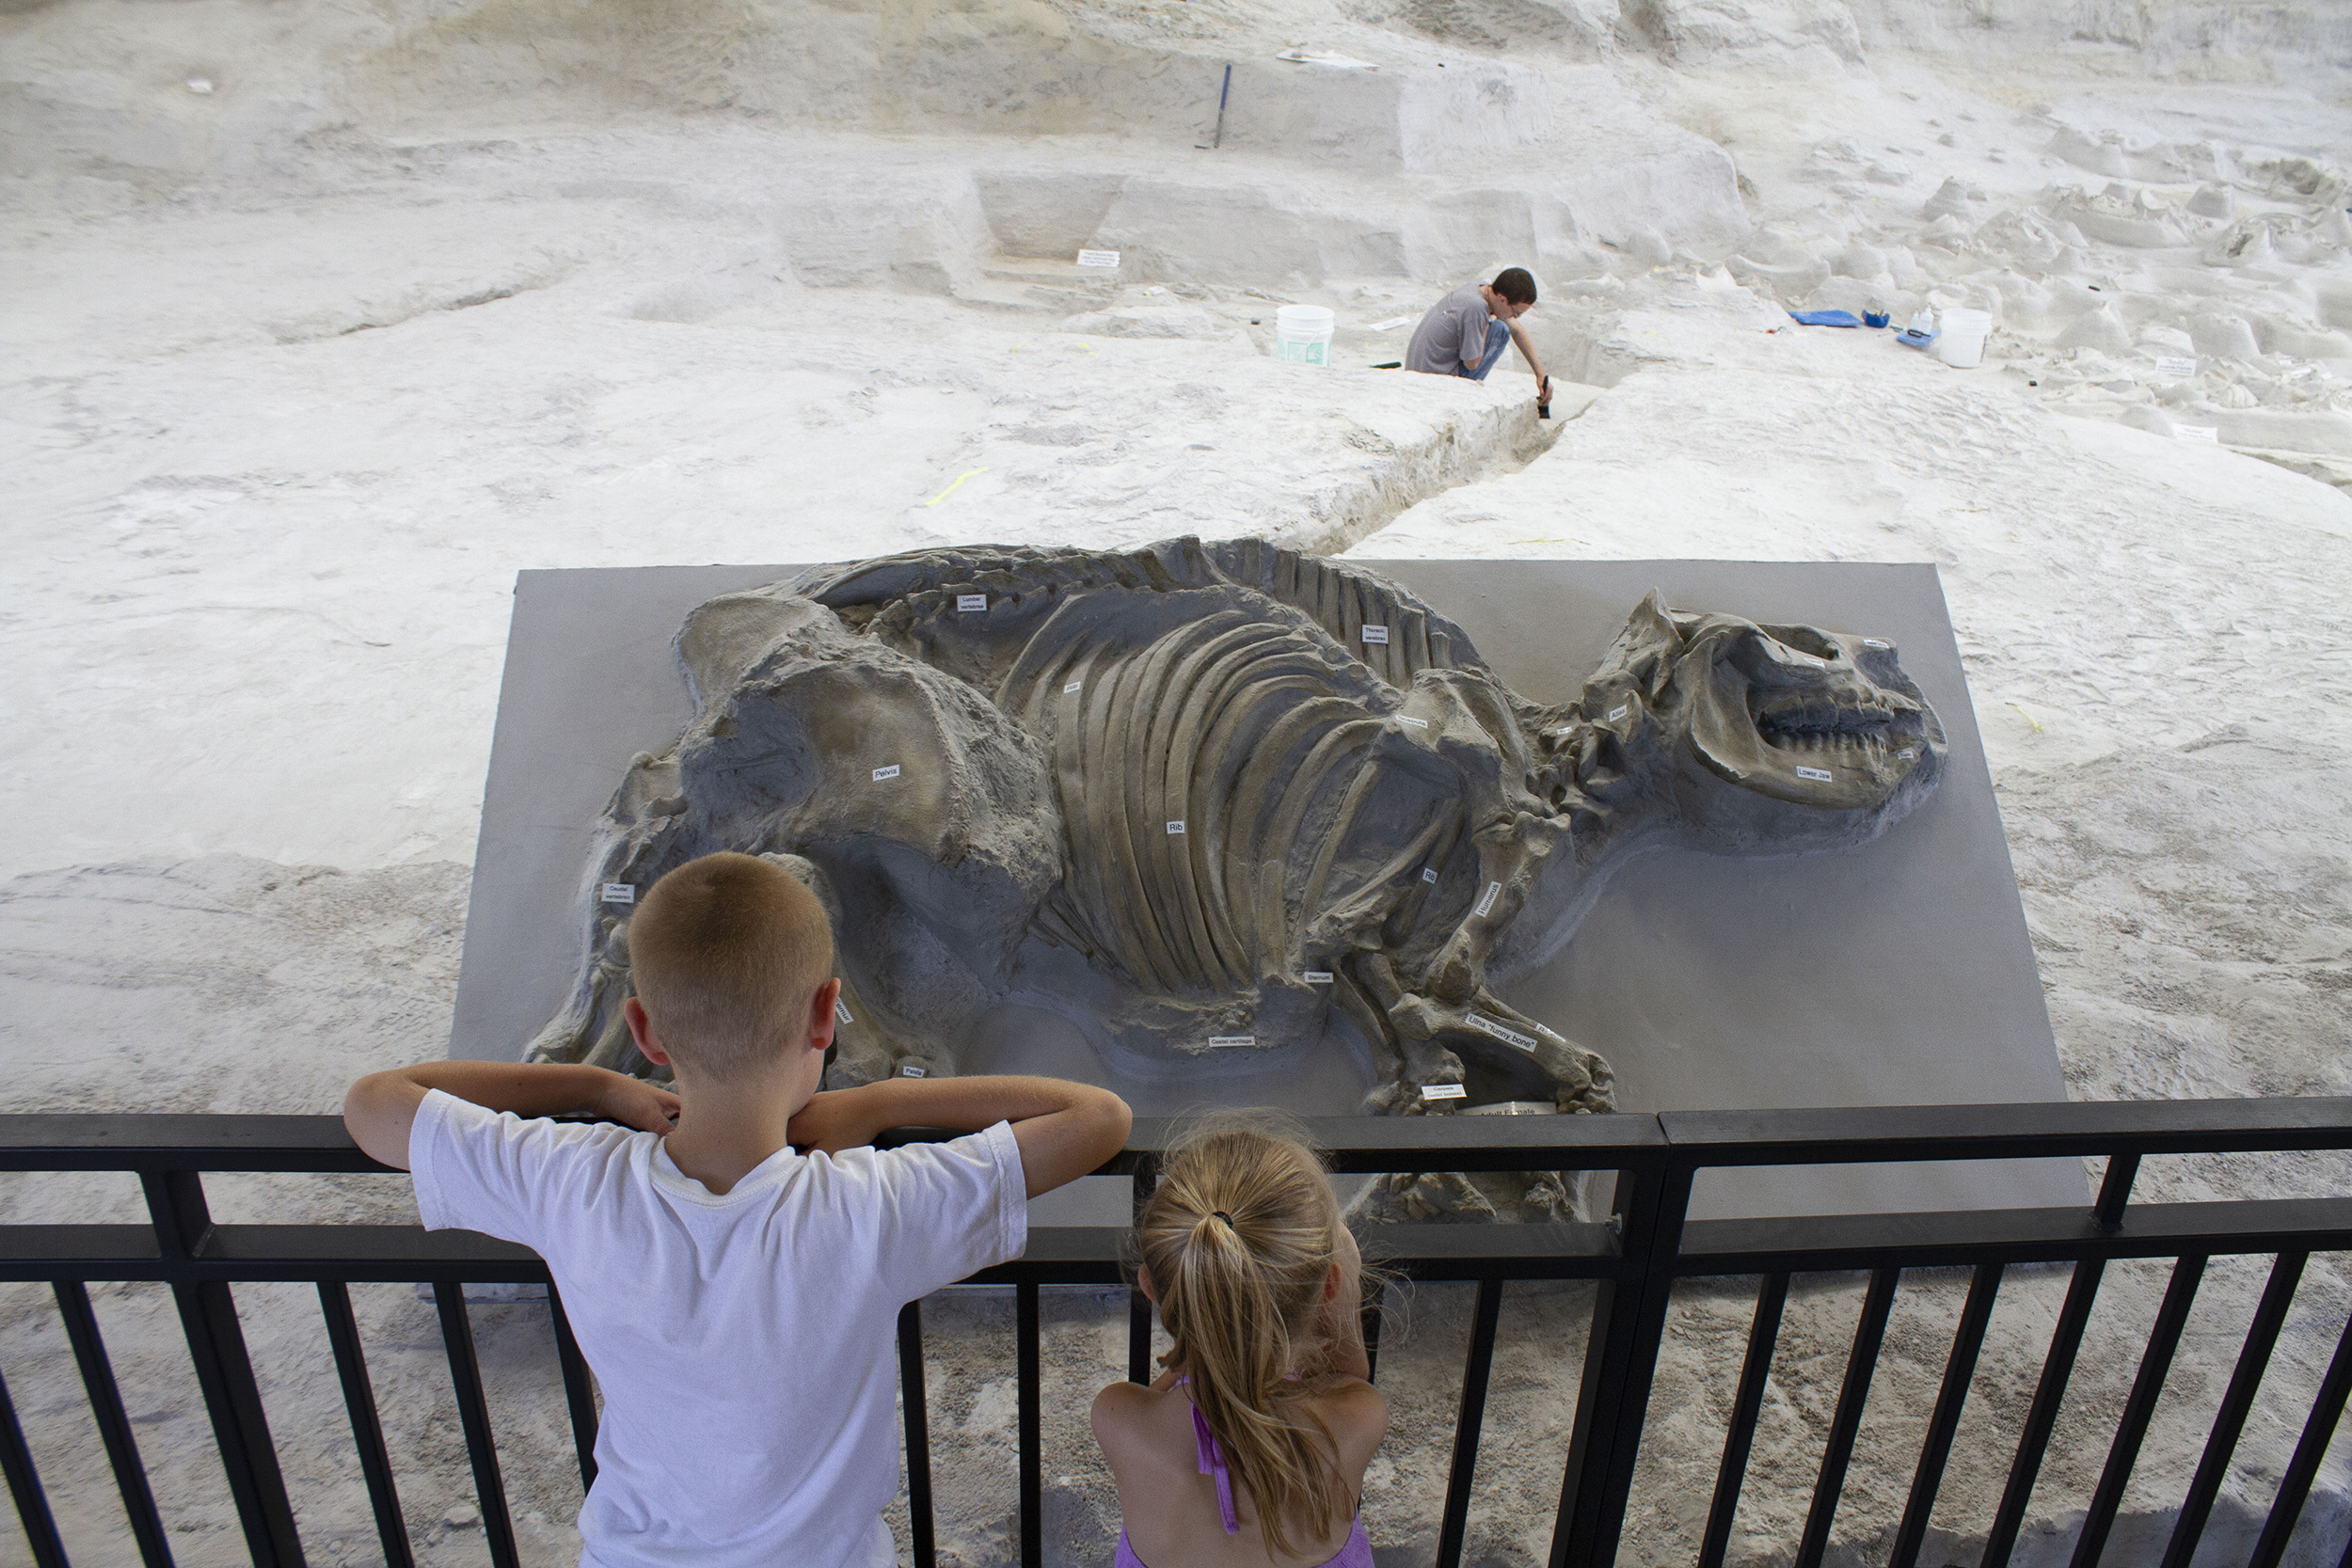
1503,1032
1219,1043
1427,875
1417,723
1375,634
889,772
1819,775
617,893
1175,827
1487,900
1071,687
1317,976
971,601
1443,1091
914,1069
841,1012
1619,711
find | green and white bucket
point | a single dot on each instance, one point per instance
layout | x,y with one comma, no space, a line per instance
1302,334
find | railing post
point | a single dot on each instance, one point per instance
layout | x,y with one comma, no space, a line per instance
2066,1339
1031,1414
2147,1388
32,1501
1862,1364
473,1417
1976,1313
916,1403
1771,1298
1139,1306
1468,1420
2253,1359
1620,1363
113,1424
579,1395
2318,1430
208,1316
367,1427
2115,1191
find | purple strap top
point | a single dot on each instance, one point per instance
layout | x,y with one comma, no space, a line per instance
1213,1463
1357,1553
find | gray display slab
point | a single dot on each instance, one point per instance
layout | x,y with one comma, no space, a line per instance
1897,974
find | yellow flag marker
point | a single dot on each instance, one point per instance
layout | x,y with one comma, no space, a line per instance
951,489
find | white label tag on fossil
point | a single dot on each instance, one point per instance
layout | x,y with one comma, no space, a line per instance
2175,364
1503,1032
1375,634
1443,1091
1550,1034
1417,723
1098,258
1218,1042
1820,775
1906,753
1619,711
617,893
914,1069
1872,642
971,601
1317,976
841,1012
889,772
2210,434
1175,827
1487,900
1071,687
1427,875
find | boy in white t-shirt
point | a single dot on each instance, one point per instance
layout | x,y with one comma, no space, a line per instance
737,1300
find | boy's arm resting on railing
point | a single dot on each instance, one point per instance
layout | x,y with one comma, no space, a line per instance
1065,1129
382,1107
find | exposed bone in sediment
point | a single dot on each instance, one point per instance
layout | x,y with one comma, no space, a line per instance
1187,766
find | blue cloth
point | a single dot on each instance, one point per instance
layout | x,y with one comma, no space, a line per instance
1498,335
1826,317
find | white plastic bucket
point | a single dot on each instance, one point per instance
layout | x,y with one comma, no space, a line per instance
1961,343
1302,334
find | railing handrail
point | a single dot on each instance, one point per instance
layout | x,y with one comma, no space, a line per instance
1873,1133
153,1142
1634,1261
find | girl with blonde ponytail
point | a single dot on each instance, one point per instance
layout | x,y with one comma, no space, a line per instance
1251,1446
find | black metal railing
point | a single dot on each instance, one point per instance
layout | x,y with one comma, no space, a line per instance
1634,1261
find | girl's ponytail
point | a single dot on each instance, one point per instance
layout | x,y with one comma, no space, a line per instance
1239,1240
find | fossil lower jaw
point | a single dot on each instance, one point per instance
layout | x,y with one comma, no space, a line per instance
1837,758
1879,742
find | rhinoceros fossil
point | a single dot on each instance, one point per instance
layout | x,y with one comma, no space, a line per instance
1192,797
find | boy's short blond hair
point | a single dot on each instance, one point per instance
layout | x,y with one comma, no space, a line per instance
727,953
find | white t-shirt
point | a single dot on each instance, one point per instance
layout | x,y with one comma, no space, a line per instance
745,1342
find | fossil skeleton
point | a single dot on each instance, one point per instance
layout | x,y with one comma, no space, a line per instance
1194,797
